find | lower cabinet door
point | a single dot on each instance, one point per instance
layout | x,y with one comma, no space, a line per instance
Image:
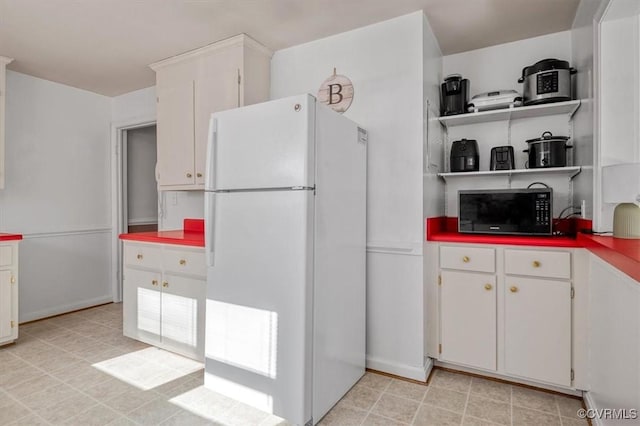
142,305
183,315
468,319
6,308
538,329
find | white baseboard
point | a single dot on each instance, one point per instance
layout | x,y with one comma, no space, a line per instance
568,391
57,310
591,405
402,370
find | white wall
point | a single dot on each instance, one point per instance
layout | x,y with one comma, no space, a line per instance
385,63
136,105
142,192
582,56
496,68
57,194
619,102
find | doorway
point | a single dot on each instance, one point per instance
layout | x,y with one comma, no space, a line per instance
134,150
140,178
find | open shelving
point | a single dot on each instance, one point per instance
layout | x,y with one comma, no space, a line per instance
571,172
568,107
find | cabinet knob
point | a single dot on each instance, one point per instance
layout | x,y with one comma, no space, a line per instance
183,262
165,284
513,289
139,256
466,259
198,174
154,282
488,286
189,175
536,264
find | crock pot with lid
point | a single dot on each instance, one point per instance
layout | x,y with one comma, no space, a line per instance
548,80
547,151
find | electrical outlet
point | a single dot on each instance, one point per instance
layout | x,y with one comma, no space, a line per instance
174,198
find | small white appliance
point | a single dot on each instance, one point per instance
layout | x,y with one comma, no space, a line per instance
495,100
285,226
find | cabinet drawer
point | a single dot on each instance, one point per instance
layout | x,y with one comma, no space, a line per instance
142,255
468,258
6,255
190,262
548,264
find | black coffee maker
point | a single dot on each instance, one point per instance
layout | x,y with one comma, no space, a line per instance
454,95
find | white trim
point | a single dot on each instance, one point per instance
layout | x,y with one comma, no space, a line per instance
45,313
5,61
117,221
240,39
408,371
143,221
89,231
591,405
392,247
568,391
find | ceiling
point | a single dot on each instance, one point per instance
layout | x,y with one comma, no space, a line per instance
104,46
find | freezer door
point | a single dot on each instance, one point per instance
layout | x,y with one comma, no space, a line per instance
268,145
259,301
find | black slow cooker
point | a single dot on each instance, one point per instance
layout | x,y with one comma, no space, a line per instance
547,151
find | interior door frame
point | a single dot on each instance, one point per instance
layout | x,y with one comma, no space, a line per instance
119,194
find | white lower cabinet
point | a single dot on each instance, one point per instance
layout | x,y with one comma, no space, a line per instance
537,329
507,311
162,307
468,315
8,292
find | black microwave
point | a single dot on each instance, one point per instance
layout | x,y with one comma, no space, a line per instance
506,211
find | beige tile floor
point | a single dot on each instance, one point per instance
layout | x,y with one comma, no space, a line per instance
78,369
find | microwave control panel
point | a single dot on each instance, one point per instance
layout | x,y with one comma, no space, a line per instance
543,209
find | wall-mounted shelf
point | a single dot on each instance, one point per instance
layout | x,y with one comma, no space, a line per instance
570,172
568,107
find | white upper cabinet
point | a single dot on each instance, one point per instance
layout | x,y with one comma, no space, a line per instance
228,74
3,74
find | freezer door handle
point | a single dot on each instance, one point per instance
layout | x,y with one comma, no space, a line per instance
209,226
212,147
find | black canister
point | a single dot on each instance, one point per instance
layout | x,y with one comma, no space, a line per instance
464,156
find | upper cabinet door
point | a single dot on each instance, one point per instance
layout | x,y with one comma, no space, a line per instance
175,133
217,88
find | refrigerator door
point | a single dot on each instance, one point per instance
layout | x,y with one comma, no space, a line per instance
267,145
259,300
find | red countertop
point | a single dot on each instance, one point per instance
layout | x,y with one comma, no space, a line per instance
621,253
10,237
192,234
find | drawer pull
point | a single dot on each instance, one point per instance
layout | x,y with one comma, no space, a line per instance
189,175
536,264
513,289
199,175
154,282
466,259
165,284
139,256
488,286
183,262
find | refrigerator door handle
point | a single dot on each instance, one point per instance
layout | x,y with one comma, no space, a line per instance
209,225
212,148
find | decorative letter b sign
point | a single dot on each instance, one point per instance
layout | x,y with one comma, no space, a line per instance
336,92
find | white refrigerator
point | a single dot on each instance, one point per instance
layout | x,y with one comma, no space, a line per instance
285,225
